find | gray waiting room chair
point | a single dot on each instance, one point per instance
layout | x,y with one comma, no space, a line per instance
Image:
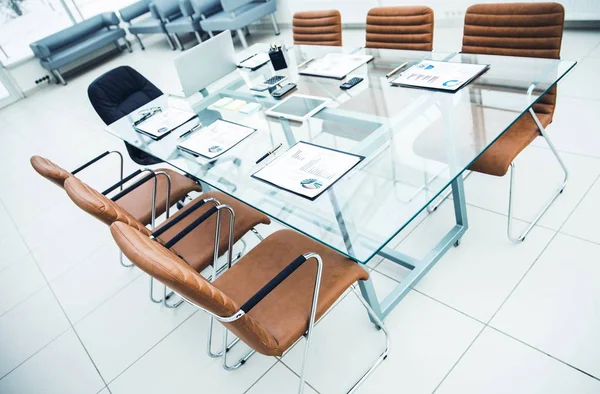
192,12
141,20
238,14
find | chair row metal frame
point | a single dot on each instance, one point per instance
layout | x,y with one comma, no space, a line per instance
283,275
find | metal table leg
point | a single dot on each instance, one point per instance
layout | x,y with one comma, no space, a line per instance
419,267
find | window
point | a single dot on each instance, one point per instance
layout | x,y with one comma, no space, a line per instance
25,21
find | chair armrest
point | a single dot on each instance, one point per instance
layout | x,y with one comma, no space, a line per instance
134,10
186,8
279,278
110,19
40,50
179,218
191,227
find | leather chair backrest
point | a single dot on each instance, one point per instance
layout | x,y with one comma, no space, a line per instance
79,31
119,92
50,170
318,28
517,29
205,6
407,27
167,8
100,206
165,266
232,5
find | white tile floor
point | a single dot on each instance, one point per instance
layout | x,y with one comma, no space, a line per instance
491,317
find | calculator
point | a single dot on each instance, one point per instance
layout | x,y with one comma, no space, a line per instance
351,83
269,83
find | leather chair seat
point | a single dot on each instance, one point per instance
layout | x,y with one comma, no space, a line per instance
318,28
276,322
285,312
146,25
197,247
497,158
138,202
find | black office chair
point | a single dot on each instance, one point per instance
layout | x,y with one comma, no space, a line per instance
119,92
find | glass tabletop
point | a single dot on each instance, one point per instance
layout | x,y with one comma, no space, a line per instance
415,141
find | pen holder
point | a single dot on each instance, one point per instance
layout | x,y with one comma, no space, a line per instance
277,58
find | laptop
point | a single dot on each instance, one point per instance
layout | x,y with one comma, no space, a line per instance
205,63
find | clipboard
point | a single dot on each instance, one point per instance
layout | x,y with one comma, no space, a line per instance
307,181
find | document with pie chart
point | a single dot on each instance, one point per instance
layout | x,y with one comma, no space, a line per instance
307,170
431,74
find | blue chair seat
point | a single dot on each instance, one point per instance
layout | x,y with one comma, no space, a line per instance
146,25
91,43
244,15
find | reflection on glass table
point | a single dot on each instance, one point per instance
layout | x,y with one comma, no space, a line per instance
416,143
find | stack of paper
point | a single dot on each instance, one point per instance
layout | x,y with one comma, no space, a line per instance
335,65
162,123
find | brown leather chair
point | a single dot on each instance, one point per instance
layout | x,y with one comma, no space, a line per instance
518,29
409,27
318,28
269,299
196,248
139,201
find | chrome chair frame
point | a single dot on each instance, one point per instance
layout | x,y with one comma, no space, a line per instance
309,333
153,174
553,197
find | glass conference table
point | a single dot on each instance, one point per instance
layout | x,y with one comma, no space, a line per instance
416,144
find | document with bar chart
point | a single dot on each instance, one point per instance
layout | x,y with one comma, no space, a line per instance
431,74
307,170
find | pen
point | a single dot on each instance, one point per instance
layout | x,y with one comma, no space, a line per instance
190,131
248,58
394,71
306,62
268,154
146,116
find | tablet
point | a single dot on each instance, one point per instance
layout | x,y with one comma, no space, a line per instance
298,107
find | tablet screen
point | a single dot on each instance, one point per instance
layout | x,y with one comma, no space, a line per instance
298,106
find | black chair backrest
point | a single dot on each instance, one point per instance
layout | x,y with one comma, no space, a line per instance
119,92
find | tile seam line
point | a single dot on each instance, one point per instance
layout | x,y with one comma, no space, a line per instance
152,347
545,353
261,376
545,248
516,286
57,300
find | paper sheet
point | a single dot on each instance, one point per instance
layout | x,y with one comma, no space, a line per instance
162,123
439,75
335,65
216,139
307,170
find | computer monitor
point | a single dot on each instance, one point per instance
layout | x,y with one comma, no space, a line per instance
205,63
